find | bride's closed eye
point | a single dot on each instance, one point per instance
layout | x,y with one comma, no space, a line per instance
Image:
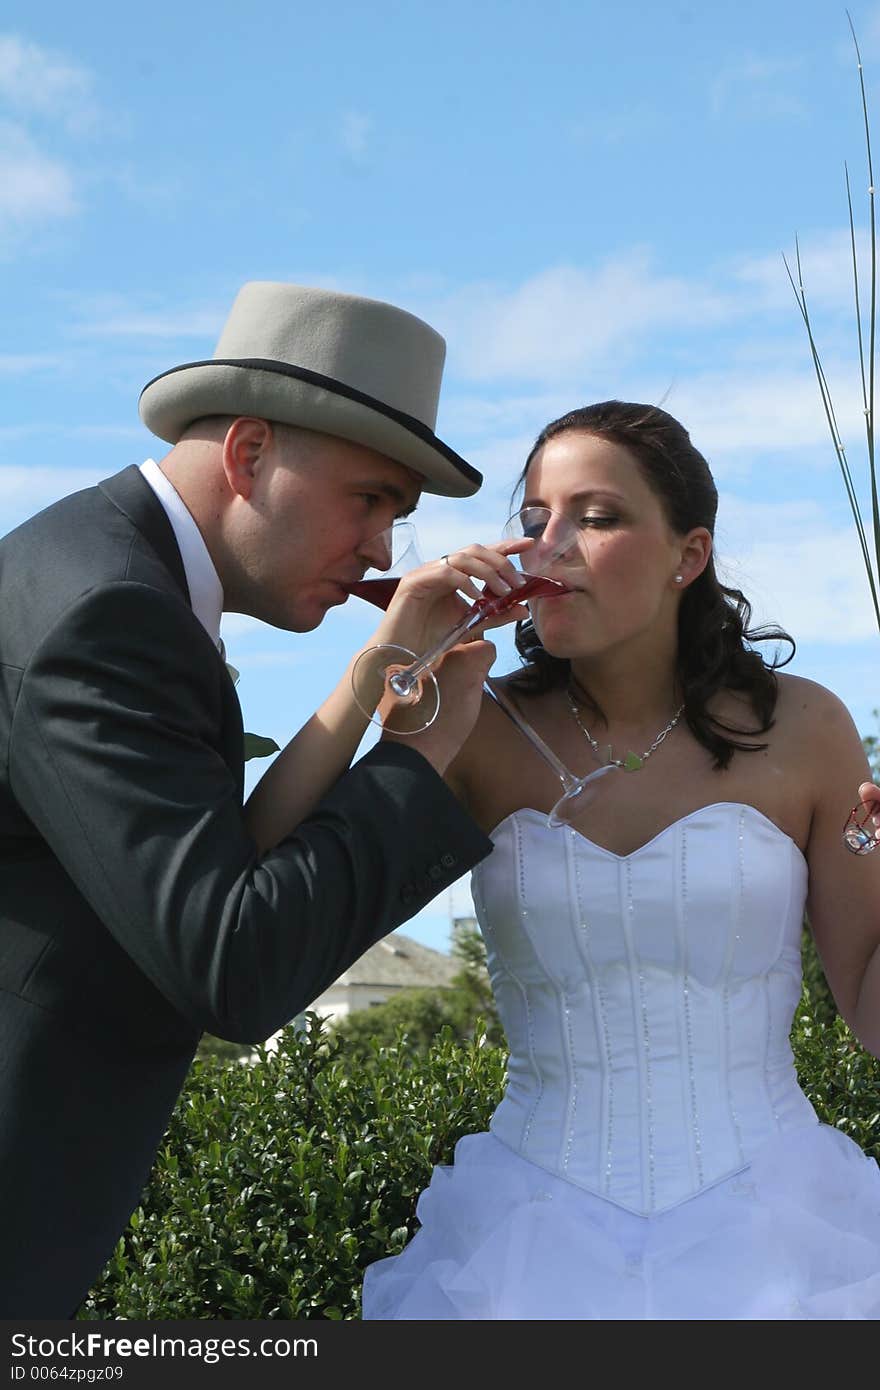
600,520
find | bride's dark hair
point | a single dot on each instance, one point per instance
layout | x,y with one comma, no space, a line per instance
714,637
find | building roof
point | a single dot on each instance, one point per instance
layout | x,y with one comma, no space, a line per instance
399,961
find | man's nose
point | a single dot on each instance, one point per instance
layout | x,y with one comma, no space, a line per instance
377,550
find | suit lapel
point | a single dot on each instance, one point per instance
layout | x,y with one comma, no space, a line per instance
132,494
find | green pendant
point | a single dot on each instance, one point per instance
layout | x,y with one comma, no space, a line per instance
632,762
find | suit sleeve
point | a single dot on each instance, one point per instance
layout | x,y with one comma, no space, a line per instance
116,758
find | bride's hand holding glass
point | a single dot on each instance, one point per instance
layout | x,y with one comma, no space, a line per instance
425,604
397,573
439,595
396,687
861,834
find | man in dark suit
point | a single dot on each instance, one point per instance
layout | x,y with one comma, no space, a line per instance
136,908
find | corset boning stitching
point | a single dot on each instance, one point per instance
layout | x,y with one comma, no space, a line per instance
646,1000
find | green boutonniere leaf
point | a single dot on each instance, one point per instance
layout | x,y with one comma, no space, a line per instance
255,746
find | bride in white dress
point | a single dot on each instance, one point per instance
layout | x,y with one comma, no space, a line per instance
654,1156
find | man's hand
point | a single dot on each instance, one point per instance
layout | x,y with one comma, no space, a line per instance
460,678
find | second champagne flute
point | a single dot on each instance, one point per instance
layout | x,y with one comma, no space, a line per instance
401,555
577,792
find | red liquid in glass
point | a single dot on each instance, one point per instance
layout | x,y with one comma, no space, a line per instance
536,586
378,591
381,592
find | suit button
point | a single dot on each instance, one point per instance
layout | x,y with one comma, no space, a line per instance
435,872
447,860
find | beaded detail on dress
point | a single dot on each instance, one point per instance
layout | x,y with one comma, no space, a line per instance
647,999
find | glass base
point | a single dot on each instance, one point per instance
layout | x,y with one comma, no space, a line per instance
374,696
578,797
859,841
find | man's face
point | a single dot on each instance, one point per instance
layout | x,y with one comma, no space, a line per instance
311,523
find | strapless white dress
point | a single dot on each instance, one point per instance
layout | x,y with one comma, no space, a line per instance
653,1156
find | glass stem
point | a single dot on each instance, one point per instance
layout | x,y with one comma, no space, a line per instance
567,778
403,682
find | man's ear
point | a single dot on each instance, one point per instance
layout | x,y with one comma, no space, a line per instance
247,441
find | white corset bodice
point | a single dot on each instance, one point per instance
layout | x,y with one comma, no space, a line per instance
647,999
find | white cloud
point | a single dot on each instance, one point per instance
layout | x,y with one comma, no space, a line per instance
14,364
565,330
482,416
44,97
10,433
134,323
826,268
522,356
501,460
24,491
43,485
796,569
615,127
355,133
772,410
867,27
736,417
156,188
36,81
758,88
565,321
569,335
103,431
34,187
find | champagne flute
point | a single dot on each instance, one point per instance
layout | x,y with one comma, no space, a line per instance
577,792
401,555
397,689
379,586
857,837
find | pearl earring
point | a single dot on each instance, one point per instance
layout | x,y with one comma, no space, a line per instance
679,578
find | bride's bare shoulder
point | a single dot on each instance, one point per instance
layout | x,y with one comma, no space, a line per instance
806,707
802,706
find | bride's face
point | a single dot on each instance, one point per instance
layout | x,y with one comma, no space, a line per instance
627,583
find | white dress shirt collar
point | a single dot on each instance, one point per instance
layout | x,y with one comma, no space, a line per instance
205,589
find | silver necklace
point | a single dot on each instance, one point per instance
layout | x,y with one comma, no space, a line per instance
633,761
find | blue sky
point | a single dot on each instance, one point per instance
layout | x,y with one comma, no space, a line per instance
586,201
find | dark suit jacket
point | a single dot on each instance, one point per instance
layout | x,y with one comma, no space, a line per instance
134,910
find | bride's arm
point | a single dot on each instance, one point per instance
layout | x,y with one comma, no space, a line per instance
306,769
843,907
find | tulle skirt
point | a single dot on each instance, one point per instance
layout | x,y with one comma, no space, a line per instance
796,1235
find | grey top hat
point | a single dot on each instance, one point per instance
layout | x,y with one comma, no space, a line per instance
347,366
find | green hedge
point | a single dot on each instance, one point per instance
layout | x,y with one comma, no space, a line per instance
279,1182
